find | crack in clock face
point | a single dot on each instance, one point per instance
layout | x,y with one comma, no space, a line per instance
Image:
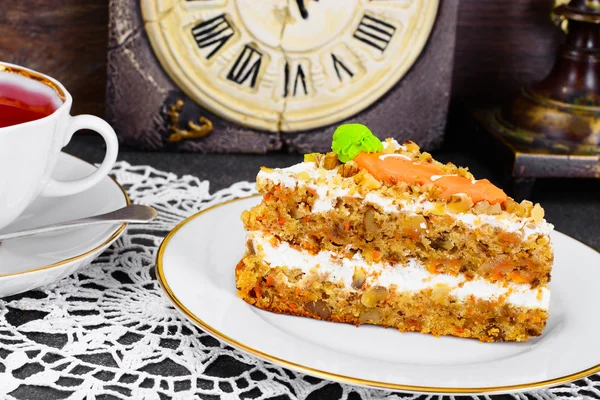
287,65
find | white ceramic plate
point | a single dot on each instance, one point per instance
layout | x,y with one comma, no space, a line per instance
196,264
31,262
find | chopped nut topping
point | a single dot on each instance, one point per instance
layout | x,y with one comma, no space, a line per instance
359,278
390,149
337,180
369,221
415,222
303,176
319,308
441,243
520,211
349,169
411,146
441,293
493,332
317,158
437,209
543,240
483,207
459,203
330,161
527,206
428,188
370,317
250,247
537,213
402,186
494,209
367,181
374,295
426,157
509,205
310,157
464,172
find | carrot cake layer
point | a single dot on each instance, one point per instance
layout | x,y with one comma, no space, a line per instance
278,277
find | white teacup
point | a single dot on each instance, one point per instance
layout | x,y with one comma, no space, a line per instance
29,150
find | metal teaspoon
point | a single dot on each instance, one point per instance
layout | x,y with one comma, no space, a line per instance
133,213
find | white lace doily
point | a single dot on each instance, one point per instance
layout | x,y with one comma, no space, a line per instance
107,332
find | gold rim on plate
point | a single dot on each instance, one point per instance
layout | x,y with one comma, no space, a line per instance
328,375
87,253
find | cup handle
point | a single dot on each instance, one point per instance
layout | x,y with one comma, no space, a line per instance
59,188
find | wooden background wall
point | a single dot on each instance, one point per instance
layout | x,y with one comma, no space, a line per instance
500,46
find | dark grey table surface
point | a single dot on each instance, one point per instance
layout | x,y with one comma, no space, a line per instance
573,206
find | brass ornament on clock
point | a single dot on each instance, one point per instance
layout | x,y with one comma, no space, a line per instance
287,65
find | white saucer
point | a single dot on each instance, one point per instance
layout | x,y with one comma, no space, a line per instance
34,261
195,266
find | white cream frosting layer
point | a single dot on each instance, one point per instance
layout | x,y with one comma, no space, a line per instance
327,196
409,277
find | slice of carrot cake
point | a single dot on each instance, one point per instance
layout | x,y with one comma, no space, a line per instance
381,233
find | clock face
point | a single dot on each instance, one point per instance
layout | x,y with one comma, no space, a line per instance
287,65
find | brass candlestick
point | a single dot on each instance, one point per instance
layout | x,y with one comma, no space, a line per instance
552,129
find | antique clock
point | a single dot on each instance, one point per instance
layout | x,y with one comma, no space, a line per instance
254,76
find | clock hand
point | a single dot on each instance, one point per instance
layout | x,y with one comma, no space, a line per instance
302,8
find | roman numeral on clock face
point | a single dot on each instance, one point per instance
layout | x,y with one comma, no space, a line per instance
246,67
374,32
341,70
294,81
212,34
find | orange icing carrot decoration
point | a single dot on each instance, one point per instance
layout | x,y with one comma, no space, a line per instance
396,169
478,190
392,169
